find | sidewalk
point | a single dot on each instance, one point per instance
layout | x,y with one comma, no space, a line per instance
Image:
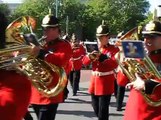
79,107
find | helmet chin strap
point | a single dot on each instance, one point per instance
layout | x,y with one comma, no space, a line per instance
149,44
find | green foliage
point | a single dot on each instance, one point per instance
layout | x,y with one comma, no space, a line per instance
148,18
76,13
39,8
35,8
120,14
85,16
5,9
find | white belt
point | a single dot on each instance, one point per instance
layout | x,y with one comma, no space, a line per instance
96,73
78,58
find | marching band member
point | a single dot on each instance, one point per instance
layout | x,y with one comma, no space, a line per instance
76,62
102,80
120,87
67,68
57,52
15,88
136,106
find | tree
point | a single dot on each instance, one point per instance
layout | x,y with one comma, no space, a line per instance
120,14
35,8
85,16
5,9
77,15
39,8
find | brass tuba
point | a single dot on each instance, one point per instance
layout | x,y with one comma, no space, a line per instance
144,67
16,56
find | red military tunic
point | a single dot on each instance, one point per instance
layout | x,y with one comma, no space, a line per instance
122,80
60,53
68,67
137,108
15,92
76,60
103,85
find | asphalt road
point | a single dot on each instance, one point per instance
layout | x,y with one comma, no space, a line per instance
79,107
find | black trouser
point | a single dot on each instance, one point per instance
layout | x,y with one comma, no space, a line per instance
45,112
115,88
28,116
120,96
100,105
74,78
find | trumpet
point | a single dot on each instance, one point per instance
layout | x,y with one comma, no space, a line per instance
42,41
94,55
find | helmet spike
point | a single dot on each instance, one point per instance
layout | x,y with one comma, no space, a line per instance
49,10
103,22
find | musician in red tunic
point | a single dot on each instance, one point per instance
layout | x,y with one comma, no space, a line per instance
15,88
76,62
102,80
119,87
137,108
58,52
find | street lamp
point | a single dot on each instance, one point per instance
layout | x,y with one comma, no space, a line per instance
57,3
67,23
56,9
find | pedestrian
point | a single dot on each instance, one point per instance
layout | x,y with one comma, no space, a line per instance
76,62
58,52
102,80
15,88
137,107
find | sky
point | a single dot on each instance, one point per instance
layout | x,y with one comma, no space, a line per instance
153,3
12,1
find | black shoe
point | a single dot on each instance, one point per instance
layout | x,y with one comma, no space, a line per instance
74,94
119,109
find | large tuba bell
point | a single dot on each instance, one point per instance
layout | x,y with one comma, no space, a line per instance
143,66
16,56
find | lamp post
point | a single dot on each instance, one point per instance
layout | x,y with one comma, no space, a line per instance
56,8
67,23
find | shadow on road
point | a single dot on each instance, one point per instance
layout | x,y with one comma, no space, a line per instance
77,113
115,114
84,113
81,93
77,100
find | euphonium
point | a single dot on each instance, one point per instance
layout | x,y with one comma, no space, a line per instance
16,56
144,67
